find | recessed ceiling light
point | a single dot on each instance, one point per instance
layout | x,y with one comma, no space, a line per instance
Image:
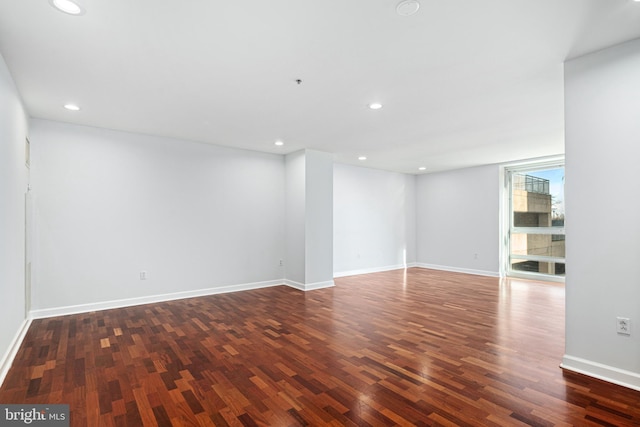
375,106
72,107
422,168
72,7
362,158
279,143
407,7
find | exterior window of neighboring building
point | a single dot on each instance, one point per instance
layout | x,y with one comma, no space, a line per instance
536,236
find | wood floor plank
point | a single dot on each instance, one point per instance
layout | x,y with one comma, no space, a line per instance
416,347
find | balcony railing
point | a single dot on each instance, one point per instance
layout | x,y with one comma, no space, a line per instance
531,184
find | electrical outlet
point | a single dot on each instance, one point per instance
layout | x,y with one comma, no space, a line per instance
143,275
623,325
281,263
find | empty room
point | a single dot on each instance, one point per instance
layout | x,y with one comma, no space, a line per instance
299,213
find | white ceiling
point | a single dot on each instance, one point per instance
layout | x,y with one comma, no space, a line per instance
463,82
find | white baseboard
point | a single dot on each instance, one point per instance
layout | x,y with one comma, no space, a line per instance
85,308
602,372
309,286
374,270
458,270
127,302
9,356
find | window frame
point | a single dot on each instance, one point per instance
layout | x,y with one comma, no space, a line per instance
508,229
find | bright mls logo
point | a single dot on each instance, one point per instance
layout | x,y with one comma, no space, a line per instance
36,415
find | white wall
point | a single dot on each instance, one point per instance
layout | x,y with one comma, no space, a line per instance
309,221
295,217
457,217
374,220
111,204
602,102
13,185
319,218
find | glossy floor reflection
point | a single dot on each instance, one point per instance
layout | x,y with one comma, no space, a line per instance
414,347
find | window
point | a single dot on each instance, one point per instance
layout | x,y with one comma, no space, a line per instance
535,238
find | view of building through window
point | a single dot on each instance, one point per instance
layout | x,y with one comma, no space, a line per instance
537,238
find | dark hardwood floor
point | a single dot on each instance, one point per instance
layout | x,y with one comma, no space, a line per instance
415,347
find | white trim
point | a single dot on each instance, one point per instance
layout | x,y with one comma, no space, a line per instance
539,277
504,217
602,372
538,230
9,356
309,286
374,270
84,308
541,258
538,163
458,270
